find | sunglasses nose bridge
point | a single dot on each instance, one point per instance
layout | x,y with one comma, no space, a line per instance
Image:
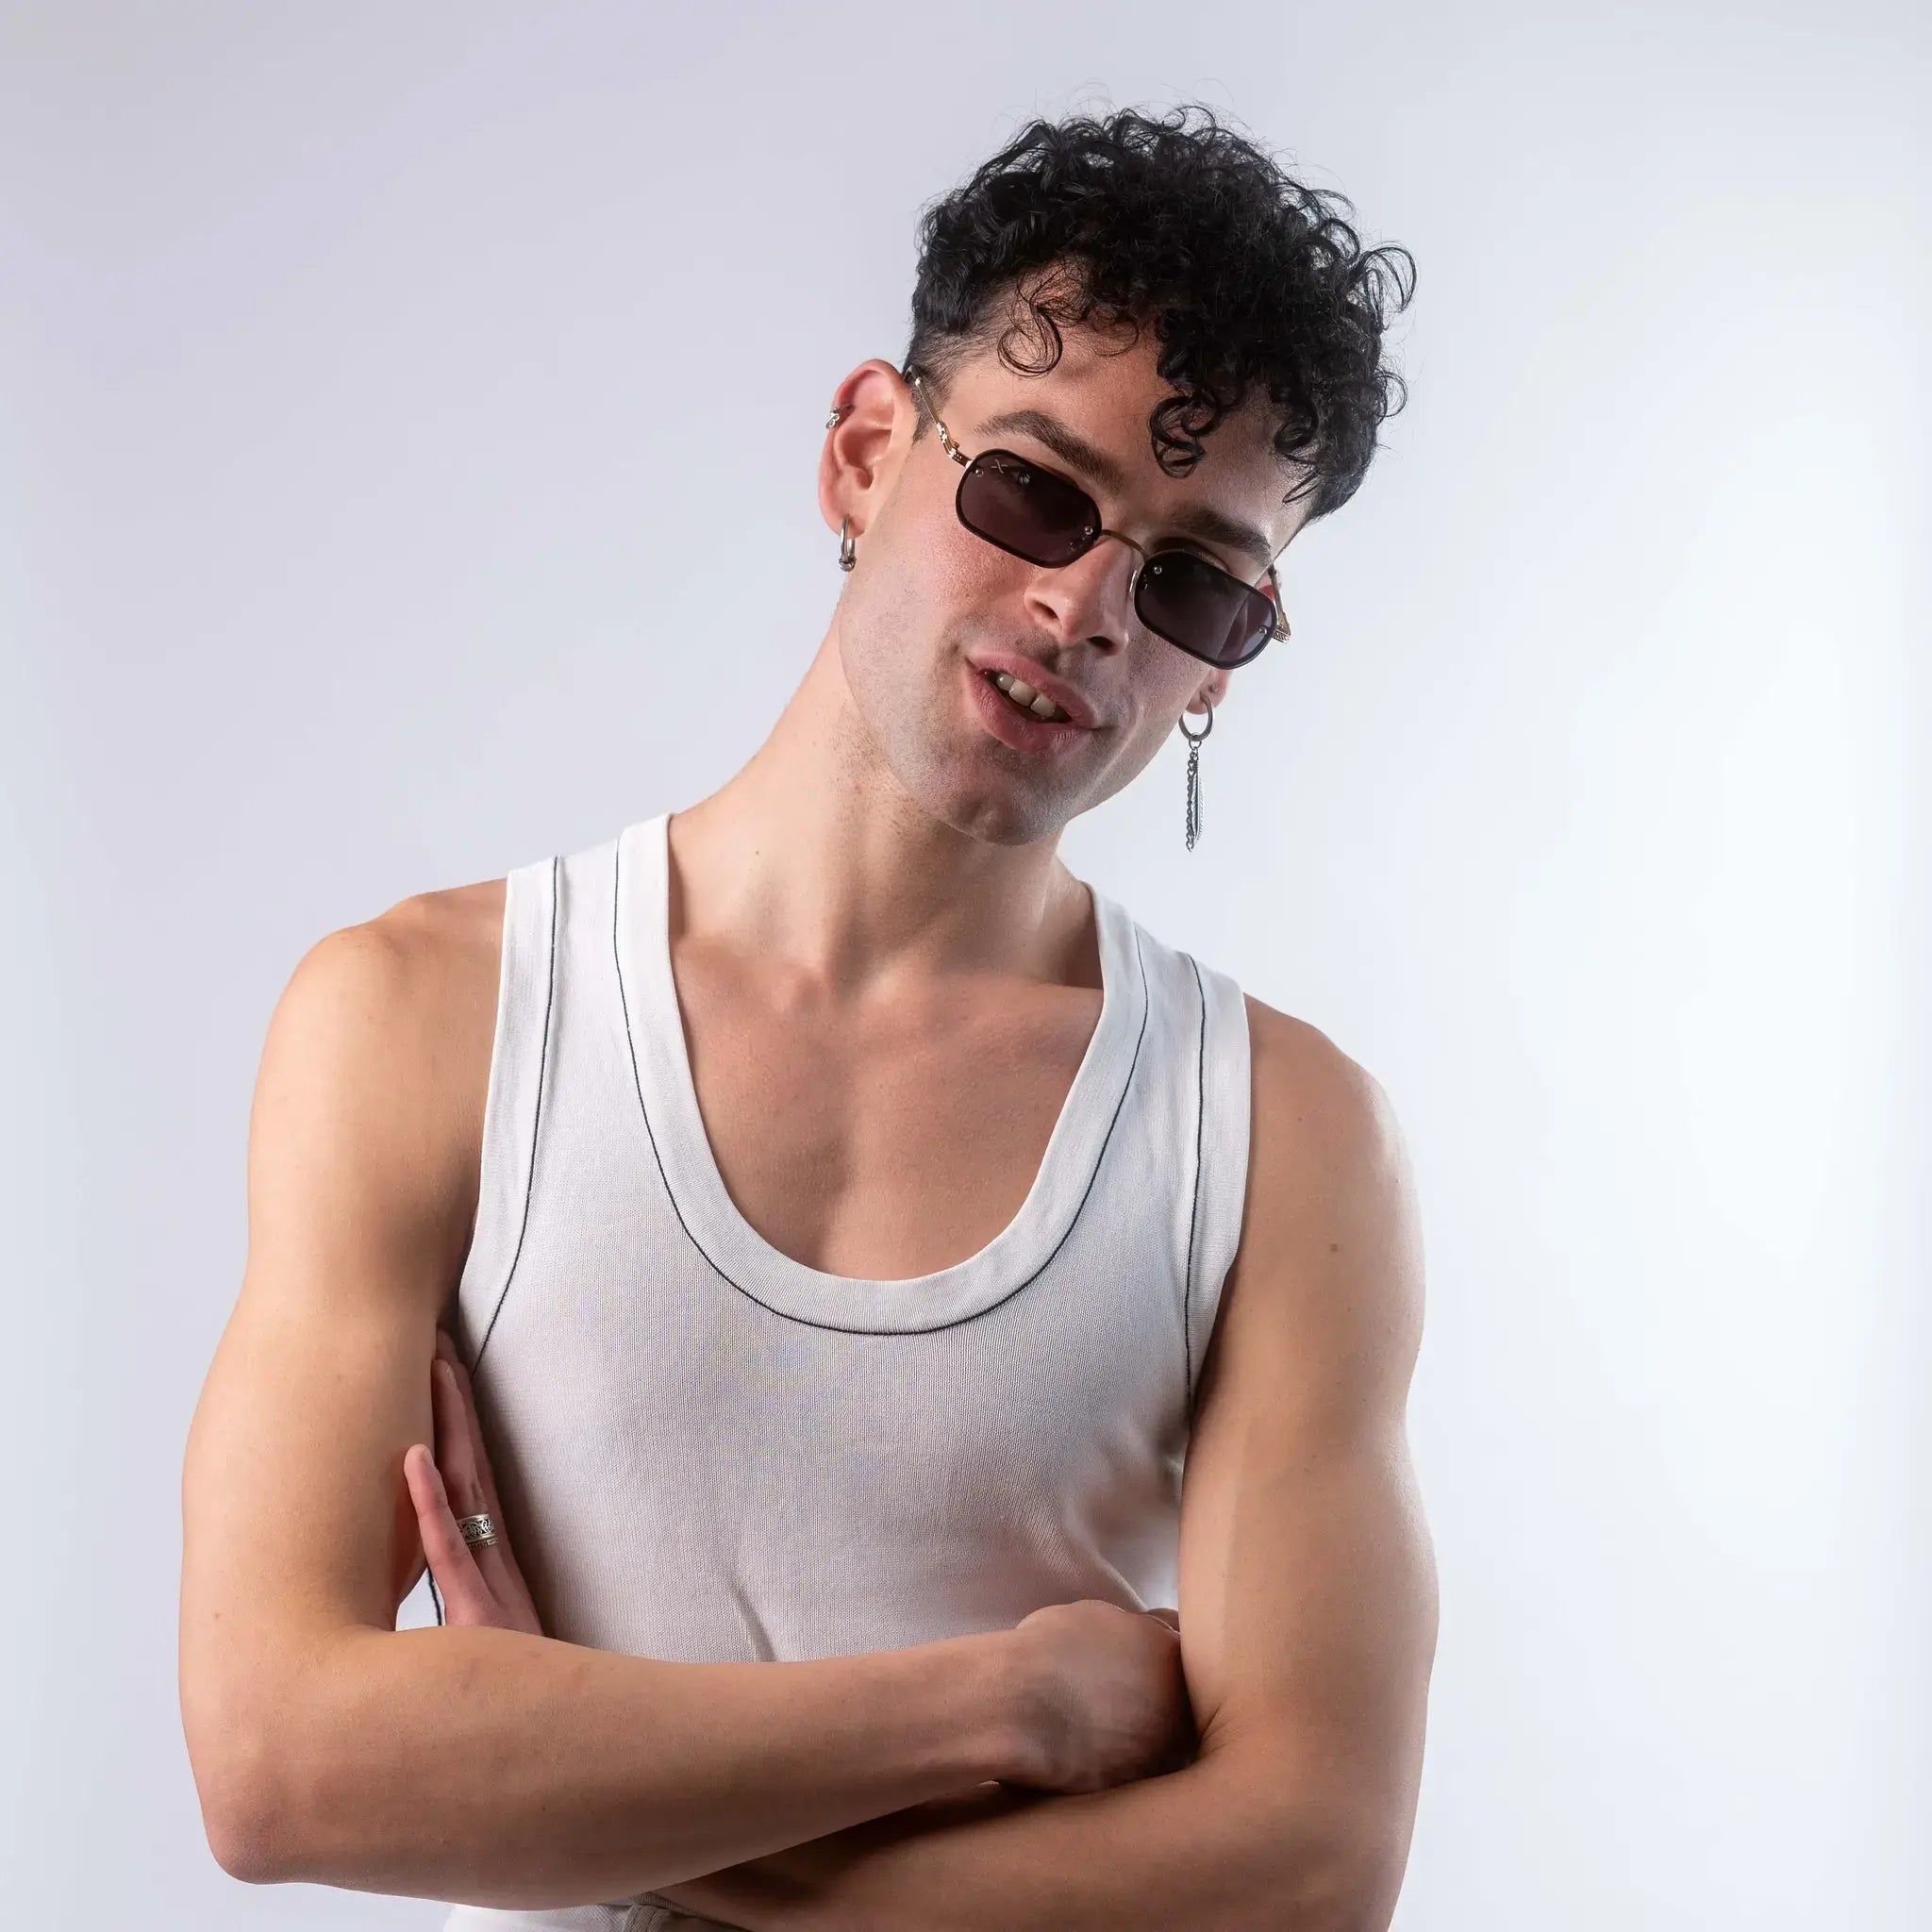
1140,550
1140,553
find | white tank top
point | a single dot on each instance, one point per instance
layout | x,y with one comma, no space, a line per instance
709,1451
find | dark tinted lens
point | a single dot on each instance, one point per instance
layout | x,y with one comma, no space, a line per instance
1025,509
1196,605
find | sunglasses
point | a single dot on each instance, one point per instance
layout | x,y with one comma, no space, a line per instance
1034,513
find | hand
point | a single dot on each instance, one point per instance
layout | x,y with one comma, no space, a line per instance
1109,1695
479,1585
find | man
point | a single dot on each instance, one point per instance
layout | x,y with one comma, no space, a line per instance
843,1228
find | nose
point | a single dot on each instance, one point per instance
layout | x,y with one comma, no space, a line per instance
1091,598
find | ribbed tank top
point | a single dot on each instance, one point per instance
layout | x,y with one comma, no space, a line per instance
709,1451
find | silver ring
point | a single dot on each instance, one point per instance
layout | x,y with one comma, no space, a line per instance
478,1530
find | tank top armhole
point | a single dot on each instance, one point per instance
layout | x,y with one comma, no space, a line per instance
512,1108
1223,1102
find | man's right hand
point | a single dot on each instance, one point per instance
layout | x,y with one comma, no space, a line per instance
1108,1697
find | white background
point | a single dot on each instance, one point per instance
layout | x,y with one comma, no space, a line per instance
410,420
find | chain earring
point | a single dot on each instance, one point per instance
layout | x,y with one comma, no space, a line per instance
1195,739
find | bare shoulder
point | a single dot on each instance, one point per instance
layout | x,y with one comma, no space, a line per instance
1321,1120
380,1041
408,991
1307,1089
1330,1252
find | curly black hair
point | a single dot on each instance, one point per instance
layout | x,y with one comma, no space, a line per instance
1248,276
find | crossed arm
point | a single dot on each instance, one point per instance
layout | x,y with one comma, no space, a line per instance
329,1746
1307,1593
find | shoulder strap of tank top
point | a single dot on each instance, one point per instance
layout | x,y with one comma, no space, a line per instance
513,1114
1219,1155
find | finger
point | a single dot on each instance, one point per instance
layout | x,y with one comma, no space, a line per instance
465,1597
454,1454
459,1455
500,1567
500,1564
479,1456
1172,1618
446,1347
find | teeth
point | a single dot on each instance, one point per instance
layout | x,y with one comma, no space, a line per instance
1027,698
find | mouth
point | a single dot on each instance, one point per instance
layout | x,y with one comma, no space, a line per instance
1027,683
1015,715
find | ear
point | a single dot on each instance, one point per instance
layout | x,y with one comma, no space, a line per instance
869,421
1210,693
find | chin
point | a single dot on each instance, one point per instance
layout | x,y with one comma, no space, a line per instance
1002,820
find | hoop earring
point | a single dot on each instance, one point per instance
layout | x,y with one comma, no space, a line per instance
1194,739
848,554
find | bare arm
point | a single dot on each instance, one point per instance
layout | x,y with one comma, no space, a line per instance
1308,1601
1308,1576
488,1766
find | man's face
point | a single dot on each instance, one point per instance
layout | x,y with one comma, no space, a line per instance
929,604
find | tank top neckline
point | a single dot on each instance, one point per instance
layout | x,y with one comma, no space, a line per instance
641,929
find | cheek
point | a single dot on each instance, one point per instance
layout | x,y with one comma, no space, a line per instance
1168,686
975,596
925,587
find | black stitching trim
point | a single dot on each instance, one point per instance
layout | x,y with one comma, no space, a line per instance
1194,1206
840,1327
536,1114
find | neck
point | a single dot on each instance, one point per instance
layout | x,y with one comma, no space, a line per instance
814,853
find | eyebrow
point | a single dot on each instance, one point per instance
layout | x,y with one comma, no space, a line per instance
1194,519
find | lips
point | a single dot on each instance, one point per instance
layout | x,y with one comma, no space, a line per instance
1070,700
1019,729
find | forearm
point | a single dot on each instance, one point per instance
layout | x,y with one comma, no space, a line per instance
492,1767
1208,1847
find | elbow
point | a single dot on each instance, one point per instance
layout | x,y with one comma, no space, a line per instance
1298,1909
1349,1893
1307,1875
244,1823
241,1848
282,1765
240,1774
